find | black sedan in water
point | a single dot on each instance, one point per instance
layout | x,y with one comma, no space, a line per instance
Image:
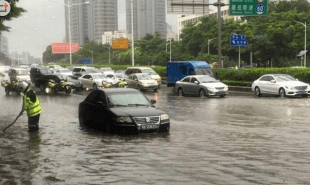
117,110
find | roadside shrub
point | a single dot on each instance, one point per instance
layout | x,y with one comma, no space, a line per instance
237,83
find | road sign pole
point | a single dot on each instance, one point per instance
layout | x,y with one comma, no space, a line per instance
239,57
219,51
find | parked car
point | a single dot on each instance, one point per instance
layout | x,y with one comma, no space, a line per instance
42,82
4,69
177,70
63,71
106,70
19,74
75,82
150,71
142,81
201,85
120,71
38,72
94,81
116,77
79,71
119,109
280,84
70,68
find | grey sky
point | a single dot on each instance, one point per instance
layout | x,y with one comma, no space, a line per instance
44,24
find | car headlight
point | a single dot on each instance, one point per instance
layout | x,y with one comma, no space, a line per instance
290,87
164,117
210,88
124,119
226,87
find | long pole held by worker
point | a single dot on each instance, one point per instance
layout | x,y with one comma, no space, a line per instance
12,123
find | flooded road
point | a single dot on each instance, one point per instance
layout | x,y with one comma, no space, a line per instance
240,139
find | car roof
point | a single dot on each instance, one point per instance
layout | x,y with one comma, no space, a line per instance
139,74
198,75
98,95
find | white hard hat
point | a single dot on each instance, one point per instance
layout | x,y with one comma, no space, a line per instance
22,85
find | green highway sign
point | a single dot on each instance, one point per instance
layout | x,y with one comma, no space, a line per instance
248,7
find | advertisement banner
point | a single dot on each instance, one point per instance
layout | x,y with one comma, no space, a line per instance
64,47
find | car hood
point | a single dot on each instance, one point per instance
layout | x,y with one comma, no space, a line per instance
148,81
217,84
293,83
134,111
155,77
66,74
24,77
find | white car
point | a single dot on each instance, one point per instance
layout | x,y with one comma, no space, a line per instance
64,71
280,84
201,85
106,70
92,81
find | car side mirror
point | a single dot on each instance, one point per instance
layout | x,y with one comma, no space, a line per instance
91,78
135,79
196,82
153,101
101,103
296,79
272,81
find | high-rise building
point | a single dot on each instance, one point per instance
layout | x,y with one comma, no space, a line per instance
149,16
90,21
4,45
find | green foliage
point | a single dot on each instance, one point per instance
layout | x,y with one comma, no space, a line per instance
14,13
237,83
252,74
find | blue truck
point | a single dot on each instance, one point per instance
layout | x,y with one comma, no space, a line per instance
177,70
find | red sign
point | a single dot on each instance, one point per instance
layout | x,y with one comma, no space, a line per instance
64,47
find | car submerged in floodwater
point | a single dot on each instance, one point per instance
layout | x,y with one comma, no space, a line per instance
116,110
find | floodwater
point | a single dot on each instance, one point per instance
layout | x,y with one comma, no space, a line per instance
240,139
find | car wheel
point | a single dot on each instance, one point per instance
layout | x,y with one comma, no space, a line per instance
139,88
202,93
257,91
18,91
68,90
42,87
282,92
7,90
95,86
180,92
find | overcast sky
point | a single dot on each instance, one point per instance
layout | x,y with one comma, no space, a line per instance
44,23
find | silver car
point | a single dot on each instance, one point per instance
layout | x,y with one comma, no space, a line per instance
280,84
201,85
93,81
142,81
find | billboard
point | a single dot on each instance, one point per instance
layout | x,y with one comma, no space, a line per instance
121,44
190,7
64,47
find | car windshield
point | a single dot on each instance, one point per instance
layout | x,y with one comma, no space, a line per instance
204,71
206,79
127,99
284,78
149,71
46,71
98,77
105,69
144,77
92,71
118,75
22,72
65,71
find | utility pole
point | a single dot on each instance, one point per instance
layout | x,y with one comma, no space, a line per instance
132,35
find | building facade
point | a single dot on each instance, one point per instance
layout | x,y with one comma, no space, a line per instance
149,16
4,45
108,37
184,20
90,20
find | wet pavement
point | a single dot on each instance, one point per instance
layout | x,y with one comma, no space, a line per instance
240,139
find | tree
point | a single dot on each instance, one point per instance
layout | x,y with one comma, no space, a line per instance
14,13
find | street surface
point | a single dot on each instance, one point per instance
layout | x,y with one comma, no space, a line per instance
240,139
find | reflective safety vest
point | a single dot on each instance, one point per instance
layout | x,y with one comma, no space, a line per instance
32,109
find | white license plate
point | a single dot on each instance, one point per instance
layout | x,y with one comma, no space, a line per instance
221,92
302,92
149,127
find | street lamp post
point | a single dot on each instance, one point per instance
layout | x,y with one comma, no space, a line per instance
209,40
69,14
305,25
170,49
132,37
